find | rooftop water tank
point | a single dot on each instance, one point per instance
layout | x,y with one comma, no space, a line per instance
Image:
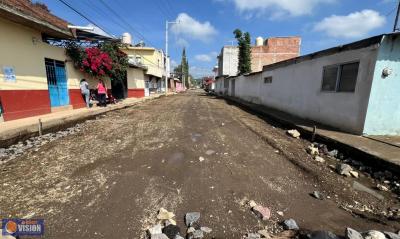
127,38
259,41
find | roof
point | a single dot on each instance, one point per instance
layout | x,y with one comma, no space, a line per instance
34,15
342,48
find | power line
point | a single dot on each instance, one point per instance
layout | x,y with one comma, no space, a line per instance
125,22
82,15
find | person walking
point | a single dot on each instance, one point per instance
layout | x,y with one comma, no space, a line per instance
85,92
102,92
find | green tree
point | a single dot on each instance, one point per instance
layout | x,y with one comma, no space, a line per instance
244,44
185,67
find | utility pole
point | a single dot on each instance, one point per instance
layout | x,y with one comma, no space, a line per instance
395,28
167,62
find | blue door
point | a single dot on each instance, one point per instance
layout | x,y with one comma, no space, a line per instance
57,82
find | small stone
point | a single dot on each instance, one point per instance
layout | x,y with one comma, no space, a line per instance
159,236
382,188
344,169
190,230
201,159
178,237
323,235
262,212
354,174
319,159
206,229
118,141
333,153
210,152
252,203
391,235
164,214
290,224
317,195
171,231
197,234
312,150
155,230
191,217
279,213
372,234
353,234
264,233
294,133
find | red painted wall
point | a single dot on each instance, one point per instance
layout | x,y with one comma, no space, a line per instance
76,99
19,104
136,93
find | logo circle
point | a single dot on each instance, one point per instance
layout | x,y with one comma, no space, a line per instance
11,227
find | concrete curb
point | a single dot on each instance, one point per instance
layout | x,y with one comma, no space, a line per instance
12,136
363,155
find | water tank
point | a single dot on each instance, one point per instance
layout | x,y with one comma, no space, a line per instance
259,41
127,38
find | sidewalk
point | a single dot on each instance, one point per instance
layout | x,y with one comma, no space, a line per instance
13,131
381,151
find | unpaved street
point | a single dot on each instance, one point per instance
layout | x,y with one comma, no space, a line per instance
109,179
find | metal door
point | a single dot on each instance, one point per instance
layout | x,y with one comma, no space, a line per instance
57,82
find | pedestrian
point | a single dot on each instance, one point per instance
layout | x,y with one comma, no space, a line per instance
85,92
102,92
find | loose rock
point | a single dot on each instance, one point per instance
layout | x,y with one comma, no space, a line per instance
294,133
253,236
262,212
374,235
392,235
312,150
319,159
317,195
290,224
382,188
201,159
164,214
191,217
206,229
155,230
353,234
171,231
354,174
159,236
323,235
344,169
264,233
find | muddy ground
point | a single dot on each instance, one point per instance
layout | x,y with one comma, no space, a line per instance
109,179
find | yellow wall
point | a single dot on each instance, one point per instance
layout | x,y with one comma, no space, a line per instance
22,49
151,58
136,78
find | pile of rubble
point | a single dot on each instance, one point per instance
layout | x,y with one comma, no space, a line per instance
34,143
166,226
352,168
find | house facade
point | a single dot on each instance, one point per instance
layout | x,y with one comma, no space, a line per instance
353,88
264,52
35,77
153,61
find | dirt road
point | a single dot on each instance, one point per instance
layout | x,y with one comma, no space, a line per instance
109,179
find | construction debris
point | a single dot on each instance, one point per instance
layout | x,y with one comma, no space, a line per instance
294,133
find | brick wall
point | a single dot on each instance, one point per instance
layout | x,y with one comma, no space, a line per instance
274,50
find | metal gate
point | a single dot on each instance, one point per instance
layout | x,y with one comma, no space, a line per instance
57,82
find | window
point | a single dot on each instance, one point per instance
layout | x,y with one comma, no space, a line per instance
340,78
268,80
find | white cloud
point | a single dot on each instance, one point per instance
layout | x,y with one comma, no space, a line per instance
354,25
173,63
278,7
207,57
189,27
181,42
198,72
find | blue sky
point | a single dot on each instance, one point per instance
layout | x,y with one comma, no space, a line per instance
206,25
